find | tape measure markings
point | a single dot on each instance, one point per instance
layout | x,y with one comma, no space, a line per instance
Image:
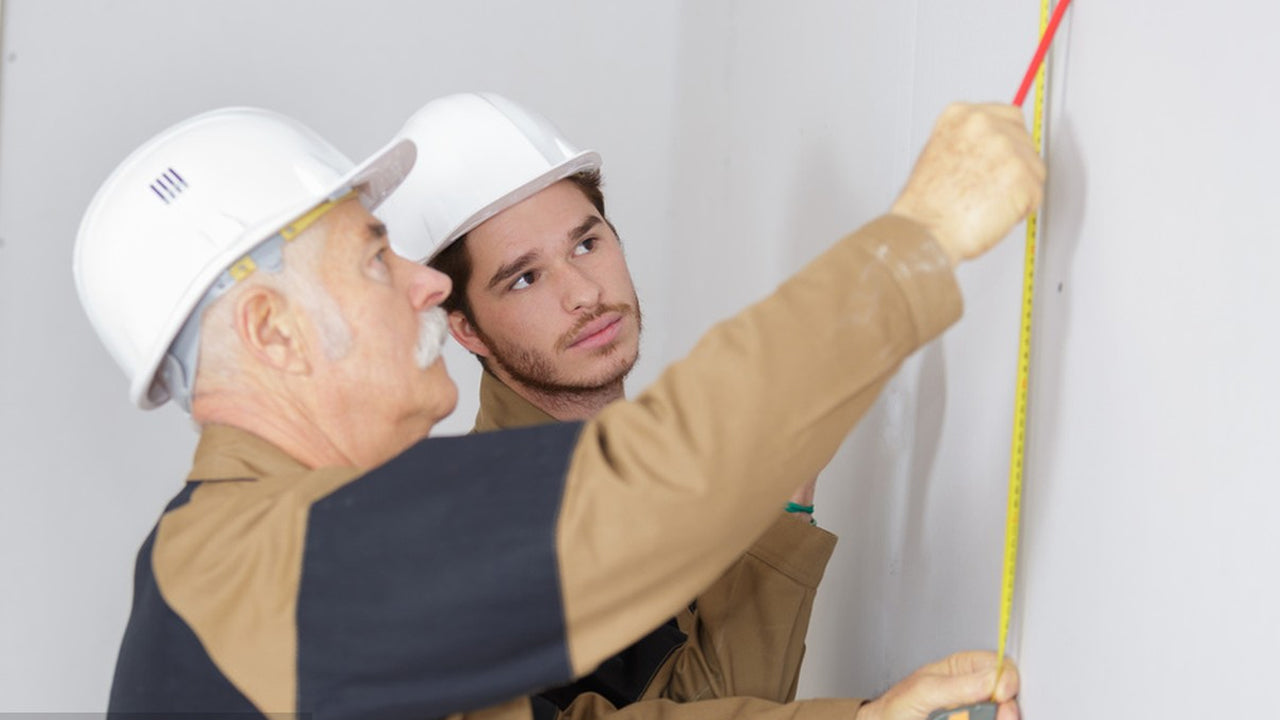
1017,455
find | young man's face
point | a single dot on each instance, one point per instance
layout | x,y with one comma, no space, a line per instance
554,306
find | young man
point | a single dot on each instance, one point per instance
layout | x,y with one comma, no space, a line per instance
326,558
543,297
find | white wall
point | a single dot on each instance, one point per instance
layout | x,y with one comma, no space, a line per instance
1152,537
820,116
1148,583
740,138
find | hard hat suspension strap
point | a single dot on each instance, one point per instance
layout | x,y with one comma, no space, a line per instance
177,373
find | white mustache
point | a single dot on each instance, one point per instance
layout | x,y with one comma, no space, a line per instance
433,327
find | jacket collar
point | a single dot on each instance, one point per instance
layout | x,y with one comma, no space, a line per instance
229,453
501,407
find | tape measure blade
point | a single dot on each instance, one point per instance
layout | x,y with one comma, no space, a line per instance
1017,452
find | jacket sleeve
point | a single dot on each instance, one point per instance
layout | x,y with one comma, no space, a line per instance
665,491
592,707
746,632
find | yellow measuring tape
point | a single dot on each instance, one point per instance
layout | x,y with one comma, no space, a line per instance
1017,454
987,710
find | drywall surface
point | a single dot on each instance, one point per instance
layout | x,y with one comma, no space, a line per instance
821,112
740,138
1151,541
1148,582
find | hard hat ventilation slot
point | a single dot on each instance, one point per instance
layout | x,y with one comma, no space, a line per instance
168,186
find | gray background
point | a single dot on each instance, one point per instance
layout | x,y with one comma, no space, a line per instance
740,138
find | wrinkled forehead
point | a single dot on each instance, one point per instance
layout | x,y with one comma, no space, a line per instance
345,230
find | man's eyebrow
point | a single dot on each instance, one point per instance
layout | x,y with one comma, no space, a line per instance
377,230
576,234
514,267
517,266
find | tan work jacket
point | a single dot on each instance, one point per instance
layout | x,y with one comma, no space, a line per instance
467,571
744,635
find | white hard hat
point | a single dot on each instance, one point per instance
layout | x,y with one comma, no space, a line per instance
193,200
481,153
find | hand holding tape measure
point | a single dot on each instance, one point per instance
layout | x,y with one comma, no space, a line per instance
961,677
1036,72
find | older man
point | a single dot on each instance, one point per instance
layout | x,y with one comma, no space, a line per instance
324,558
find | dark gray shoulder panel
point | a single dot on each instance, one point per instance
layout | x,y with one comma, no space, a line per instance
431,585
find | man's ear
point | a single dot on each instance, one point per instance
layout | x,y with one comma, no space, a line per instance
268,326
465,333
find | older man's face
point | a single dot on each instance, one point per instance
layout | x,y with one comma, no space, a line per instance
389,387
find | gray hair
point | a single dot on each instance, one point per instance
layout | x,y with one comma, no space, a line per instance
207,346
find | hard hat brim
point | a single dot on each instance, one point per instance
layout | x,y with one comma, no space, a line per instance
584,160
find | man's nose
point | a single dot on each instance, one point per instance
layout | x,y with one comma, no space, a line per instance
428,287
580,290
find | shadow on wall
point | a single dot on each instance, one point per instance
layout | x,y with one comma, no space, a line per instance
876,495
1060,238
913,503
876,491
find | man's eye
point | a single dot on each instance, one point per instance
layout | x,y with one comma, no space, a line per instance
585,246
523,281
380,264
